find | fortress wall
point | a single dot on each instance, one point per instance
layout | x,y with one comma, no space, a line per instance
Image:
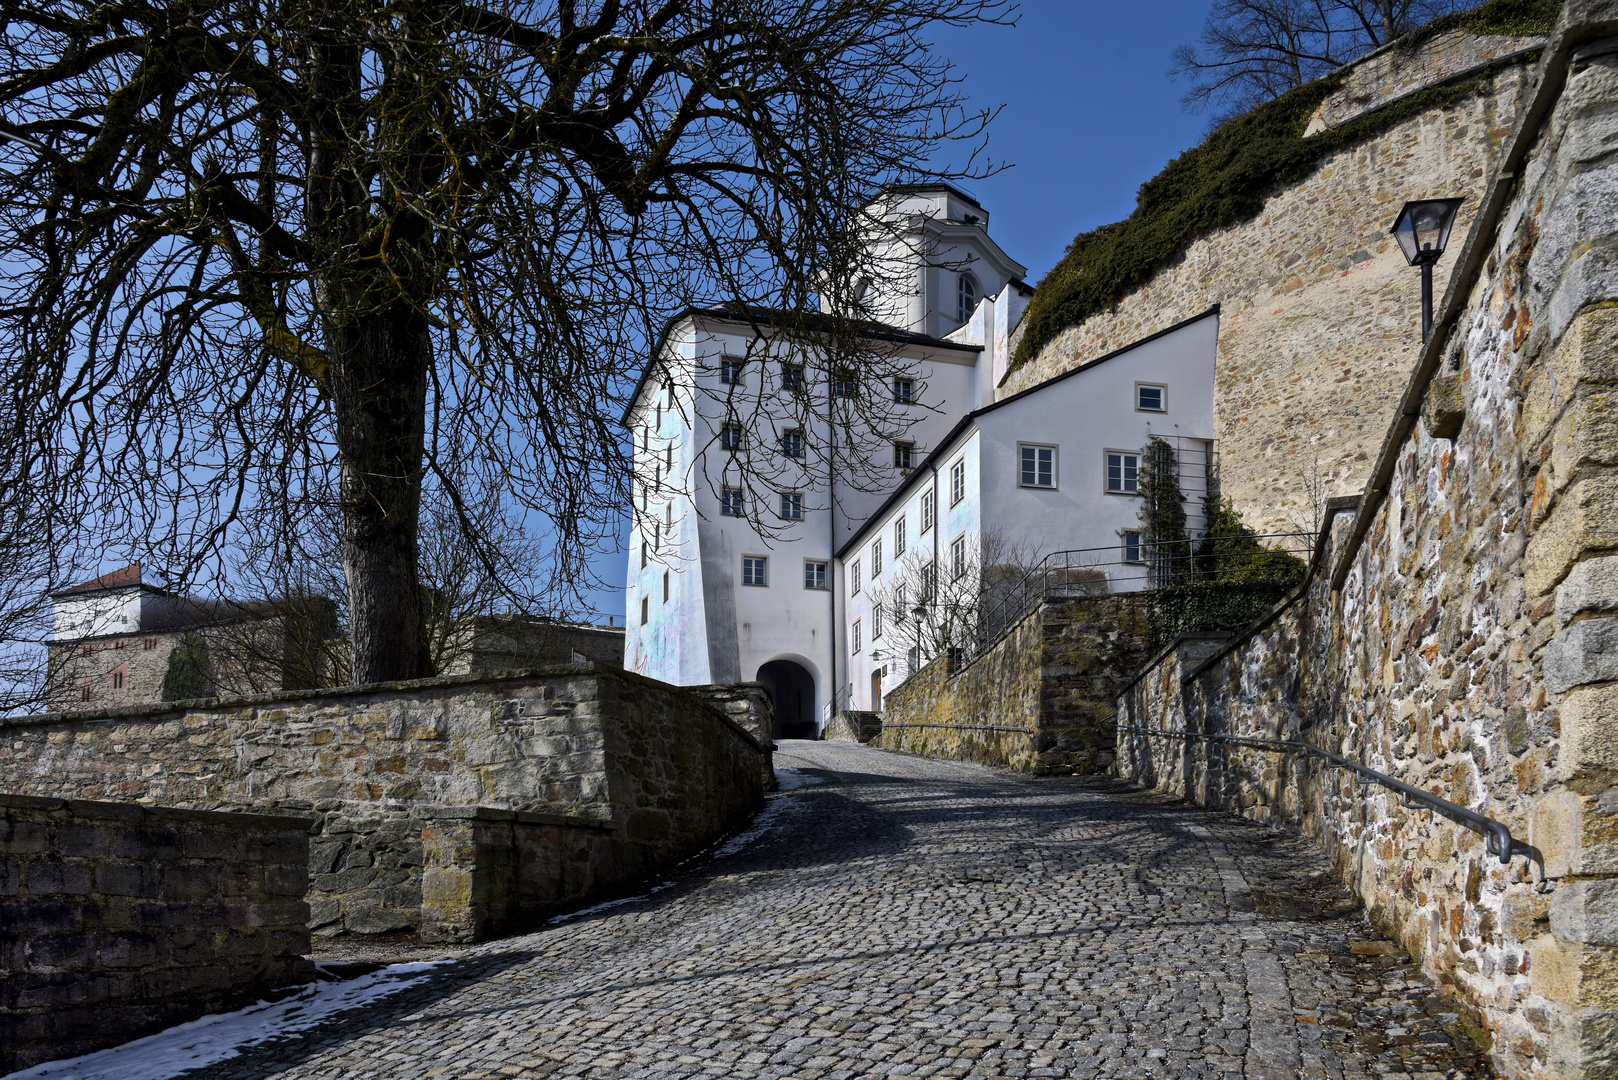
1472,647
1321,316
451,807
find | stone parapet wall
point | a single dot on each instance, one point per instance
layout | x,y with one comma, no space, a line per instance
371,768
853,725
1457,634
119,920
1320,314
1036,699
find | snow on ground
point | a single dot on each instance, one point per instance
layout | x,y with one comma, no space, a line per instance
793,779
222,1036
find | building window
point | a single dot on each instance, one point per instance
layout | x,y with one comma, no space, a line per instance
1123,473
904,391
645,609
854,576
755,570
957,482
657,535
1151,397
876,622
900,608
149,644
118,678
730,370
731,437
87,650
665,586
814,574
929,583
966,297
792,443
731,502
86,693
792,378
913,654
645,554
855,633
792,505
1038,466
876,557
899,536
119,644
845,386
926,511
1132,546
904,455
957,557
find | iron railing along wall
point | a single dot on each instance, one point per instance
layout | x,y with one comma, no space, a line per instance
1496,834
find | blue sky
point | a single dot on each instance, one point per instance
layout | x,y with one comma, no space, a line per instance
1089,116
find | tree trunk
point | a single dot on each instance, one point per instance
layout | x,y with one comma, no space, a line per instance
380,397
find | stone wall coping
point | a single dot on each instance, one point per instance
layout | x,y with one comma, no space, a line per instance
1525,54
178,709
118,811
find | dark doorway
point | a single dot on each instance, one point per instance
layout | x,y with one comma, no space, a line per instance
876,690
793,689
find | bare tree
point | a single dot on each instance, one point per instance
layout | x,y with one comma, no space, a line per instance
256,251
1252,51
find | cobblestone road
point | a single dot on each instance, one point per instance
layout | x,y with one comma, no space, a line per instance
918,918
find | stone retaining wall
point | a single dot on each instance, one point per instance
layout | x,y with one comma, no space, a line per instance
586,756
1034,700
1320,314
119,920
1458,631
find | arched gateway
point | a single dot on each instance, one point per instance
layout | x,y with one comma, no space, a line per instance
794,691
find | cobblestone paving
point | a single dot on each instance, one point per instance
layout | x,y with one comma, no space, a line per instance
909,917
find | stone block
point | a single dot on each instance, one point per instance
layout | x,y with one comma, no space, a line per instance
1443,410
1555,826
1591,587
1585,652
1584,520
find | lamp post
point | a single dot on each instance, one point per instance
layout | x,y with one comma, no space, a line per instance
919,611
1422,229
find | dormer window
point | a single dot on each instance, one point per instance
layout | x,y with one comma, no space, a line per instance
966,296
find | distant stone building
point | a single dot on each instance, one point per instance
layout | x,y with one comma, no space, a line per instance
120,640
484,644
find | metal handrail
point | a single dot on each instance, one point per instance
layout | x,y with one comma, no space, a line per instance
1496,834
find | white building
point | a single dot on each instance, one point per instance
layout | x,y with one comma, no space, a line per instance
1053,468
731,582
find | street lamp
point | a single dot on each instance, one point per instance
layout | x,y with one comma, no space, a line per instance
920,612
1422,229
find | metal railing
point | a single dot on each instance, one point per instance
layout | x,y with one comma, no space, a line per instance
1102,571
1496,834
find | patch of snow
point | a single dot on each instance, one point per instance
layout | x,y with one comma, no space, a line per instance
793,779
222,1036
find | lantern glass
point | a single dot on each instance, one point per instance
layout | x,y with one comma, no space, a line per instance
1423,227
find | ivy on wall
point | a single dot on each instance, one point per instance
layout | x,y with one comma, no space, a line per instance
187,676
1228,178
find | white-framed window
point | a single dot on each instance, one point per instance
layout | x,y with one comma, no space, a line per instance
645,610
913,657
792,505
665,586
904,391
927,511
854,578
904,455
1037,466
645,554
899,536
966,297
1132,552
900,608
814,573
876,621
756,570
730,370
845,386
732,503
957,557
929,583
854,636
957,482
876,558
792,442
1151,397
732,437
792,377
1123,472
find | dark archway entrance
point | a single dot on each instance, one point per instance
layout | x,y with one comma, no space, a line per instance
793,689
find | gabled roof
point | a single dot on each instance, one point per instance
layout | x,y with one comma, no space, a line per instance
127,577
948,441
814,321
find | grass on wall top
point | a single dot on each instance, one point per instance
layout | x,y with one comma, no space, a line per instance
1228,178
